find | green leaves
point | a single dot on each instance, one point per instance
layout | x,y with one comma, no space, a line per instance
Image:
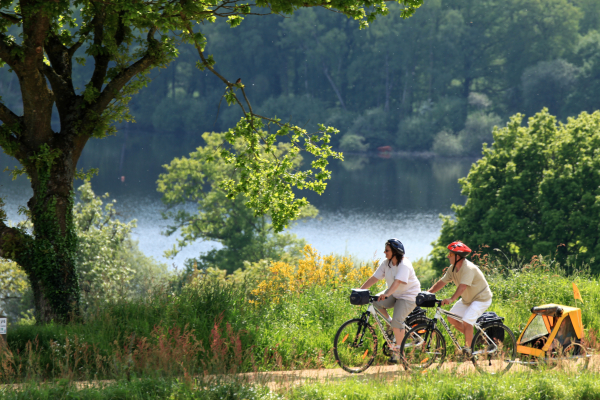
227,180
535,191
267,174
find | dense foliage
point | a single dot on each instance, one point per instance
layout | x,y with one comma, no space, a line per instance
536,190
196,181
399,82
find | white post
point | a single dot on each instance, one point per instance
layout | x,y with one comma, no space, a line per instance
3,324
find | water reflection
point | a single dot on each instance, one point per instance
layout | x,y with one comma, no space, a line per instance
368,200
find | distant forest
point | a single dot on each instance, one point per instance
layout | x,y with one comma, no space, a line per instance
438,81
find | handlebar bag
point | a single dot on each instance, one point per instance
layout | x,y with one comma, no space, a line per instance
360,297
417,312
426,299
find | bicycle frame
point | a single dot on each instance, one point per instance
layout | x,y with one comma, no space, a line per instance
373,311
439,313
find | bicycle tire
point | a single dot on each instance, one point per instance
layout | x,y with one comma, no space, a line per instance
496,360
421,347
355,346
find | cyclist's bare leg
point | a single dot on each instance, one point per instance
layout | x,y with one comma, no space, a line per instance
399,334
457,324
384,313
463,328
468,331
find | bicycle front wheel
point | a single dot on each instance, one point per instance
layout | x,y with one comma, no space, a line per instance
421,347
494,352
355,346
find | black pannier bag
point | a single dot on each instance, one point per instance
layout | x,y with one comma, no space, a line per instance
494,333
426,299
418,312
360,297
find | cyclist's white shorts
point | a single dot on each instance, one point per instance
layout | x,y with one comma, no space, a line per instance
471,312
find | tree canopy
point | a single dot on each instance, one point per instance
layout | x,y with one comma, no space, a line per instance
535,191
195,181
42,43
402,82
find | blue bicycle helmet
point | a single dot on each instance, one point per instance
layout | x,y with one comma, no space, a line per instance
396,244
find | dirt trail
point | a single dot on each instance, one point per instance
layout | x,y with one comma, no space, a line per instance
278,380
282,380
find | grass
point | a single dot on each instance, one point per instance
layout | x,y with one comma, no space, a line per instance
216,326
528,384
515,386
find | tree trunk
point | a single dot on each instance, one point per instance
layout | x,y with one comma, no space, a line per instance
335,88
407,92
389,83
48,258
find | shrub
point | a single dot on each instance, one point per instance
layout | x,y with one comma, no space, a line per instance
478,130
352,142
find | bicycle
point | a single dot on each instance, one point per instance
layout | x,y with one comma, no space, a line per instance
494,347
355,343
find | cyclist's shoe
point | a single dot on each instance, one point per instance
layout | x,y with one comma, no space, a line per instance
390,334
395,355
467,353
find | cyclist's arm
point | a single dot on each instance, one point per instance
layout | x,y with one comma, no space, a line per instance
391,289
370,282
438,286
459,291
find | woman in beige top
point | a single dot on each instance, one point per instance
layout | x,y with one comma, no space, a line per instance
475,293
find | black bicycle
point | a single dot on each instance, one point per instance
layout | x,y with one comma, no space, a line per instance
355,343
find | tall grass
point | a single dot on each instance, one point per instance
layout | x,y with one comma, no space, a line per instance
285,319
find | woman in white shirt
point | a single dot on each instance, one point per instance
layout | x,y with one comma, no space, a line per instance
403,286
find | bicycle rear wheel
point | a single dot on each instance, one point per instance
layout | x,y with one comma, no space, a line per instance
495,356
355,346
421,347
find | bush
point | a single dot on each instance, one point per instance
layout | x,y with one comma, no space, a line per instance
478,130
417,132
376,126
352,142
535,191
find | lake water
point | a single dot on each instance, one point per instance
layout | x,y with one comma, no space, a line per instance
368,200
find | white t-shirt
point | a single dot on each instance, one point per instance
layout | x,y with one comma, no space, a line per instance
403,272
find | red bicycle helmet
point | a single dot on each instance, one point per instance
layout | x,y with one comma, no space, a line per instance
459,248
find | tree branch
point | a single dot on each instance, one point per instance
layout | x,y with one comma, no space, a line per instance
6,51
60,73
101,58
8,117
11,18
113,88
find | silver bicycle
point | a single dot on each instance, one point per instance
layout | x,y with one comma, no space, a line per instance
355,343
493,349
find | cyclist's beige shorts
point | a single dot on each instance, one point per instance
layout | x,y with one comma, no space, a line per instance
402,308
